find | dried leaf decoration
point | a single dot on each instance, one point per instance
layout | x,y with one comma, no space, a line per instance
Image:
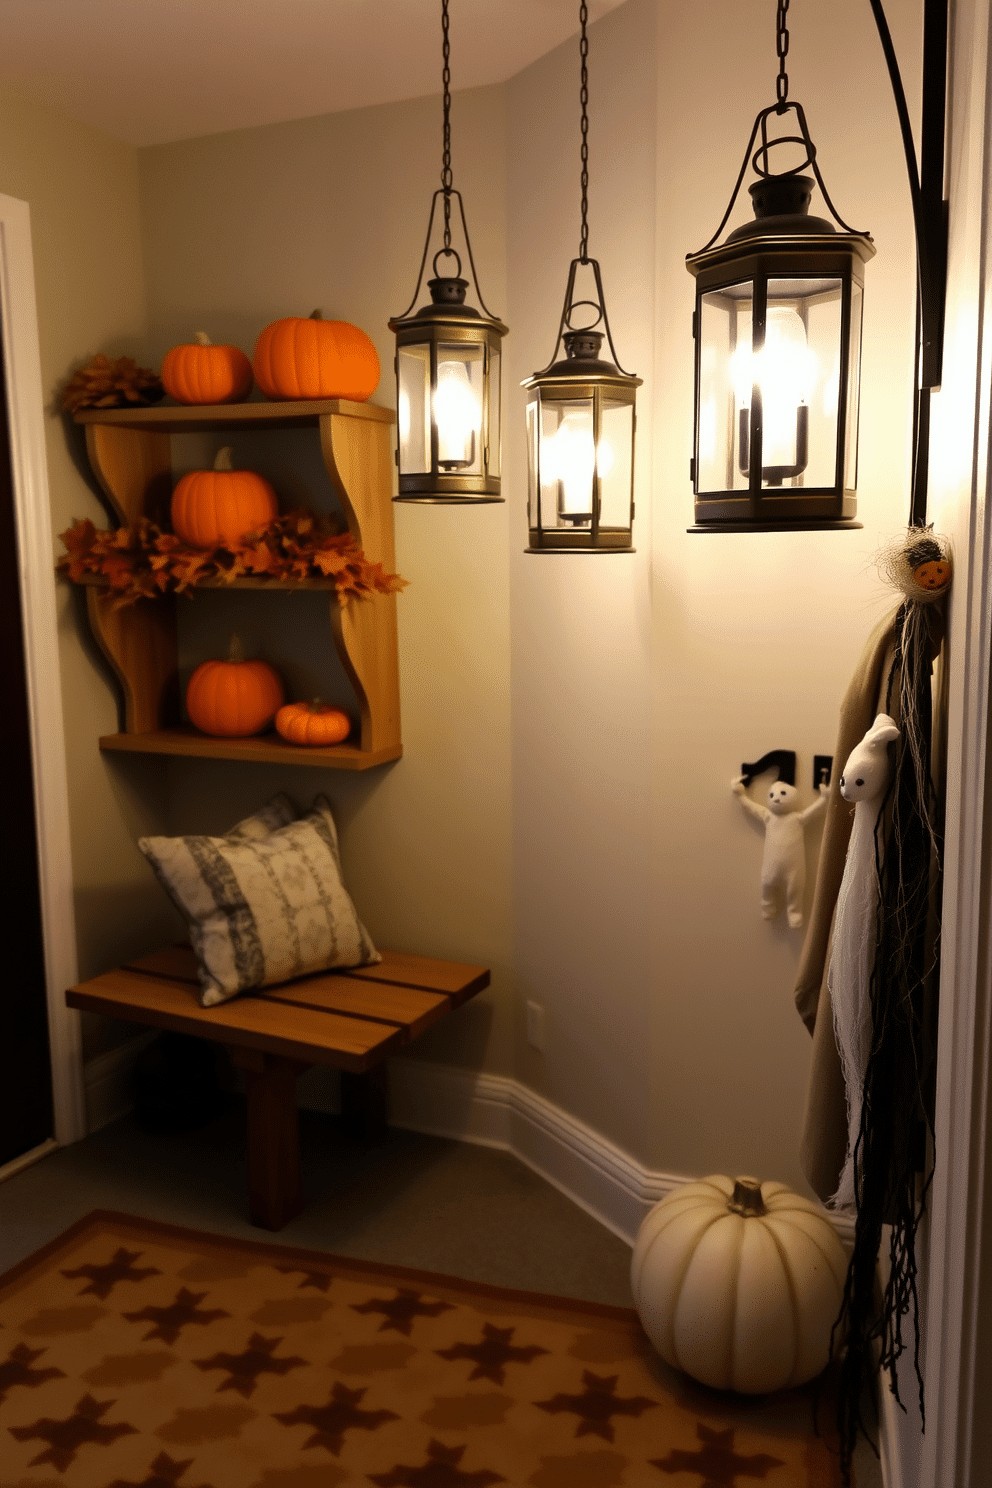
143,561
103,383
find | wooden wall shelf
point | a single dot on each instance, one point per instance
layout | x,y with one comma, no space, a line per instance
130,452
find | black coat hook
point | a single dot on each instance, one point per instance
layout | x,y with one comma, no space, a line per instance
782,760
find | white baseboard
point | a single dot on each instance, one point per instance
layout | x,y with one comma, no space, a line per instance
488,1110
107,1081
497,1111
18,1164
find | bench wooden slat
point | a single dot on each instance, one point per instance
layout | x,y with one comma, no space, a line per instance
410,1010
300,1033
457,979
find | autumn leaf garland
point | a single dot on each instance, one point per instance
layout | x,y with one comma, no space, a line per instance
143,561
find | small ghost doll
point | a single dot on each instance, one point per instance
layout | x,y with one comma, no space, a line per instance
852,952
783,863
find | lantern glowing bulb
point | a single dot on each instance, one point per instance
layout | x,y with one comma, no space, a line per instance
458,414
786,371
568,458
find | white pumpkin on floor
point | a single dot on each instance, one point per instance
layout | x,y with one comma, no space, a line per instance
738,1283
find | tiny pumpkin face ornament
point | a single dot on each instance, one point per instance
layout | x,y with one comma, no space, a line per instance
933,575
931,568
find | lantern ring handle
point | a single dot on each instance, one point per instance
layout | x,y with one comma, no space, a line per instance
447,253
577,305
785,139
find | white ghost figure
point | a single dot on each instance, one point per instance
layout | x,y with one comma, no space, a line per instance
783,863
852,952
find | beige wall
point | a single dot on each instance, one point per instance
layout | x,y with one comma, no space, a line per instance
582,662
82,190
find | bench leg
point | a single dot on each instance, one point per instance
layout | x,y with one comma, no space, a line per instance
275,1192
365,1103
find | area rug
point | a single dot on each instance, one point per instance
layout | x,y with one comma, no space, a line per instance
139,1355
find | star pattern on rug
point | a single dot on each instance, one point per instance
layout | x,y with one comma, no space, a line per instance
330,1422
492,1353
120,1267
440,1470
319,1279
65,1437
245,1368
399,1311
170,1321
17,1369
716,1462
597,1405
164,1472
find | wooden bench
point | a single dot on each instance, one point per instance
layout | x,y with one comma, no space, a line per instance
350,1020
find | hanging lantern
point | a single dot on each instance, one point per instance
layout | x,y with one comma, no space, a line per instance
580,414
777,327
448,368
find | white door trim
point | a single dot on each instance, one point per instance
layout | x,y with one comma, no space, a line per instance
25,406
960,459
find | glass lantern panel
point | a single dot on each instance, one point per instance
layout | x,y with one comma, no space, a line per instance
413,377
533,424
458,407
614,460
853,388
566,463
798,371
725,374
494,412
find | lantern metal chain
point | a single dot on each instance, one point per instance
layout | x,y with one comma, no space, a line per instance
447,179
782,52
584,153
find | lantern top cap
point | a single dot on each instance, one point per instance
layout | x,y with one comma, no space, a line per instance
781,206
582,363
447,307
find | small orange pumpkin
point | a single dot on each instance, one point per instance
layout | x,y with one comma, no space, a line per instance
934,574
315,358
235,698
313,723
220,505
204,373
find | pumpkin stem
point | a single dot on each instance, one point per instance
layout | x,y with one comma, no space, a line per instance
224,460
203,339
315,706
316,314
235,650
746,1198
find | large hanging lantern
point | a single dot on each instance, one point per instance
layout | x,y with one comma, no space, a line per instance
448,368
777,327
580,415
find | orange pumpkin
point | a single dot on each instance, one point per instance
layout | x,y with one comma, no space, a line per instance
234,698
204,373
313,723
221,505
934,574
315,358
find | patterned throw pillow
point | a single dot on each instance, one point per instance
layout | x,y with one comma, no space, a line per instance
278,812
262,908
